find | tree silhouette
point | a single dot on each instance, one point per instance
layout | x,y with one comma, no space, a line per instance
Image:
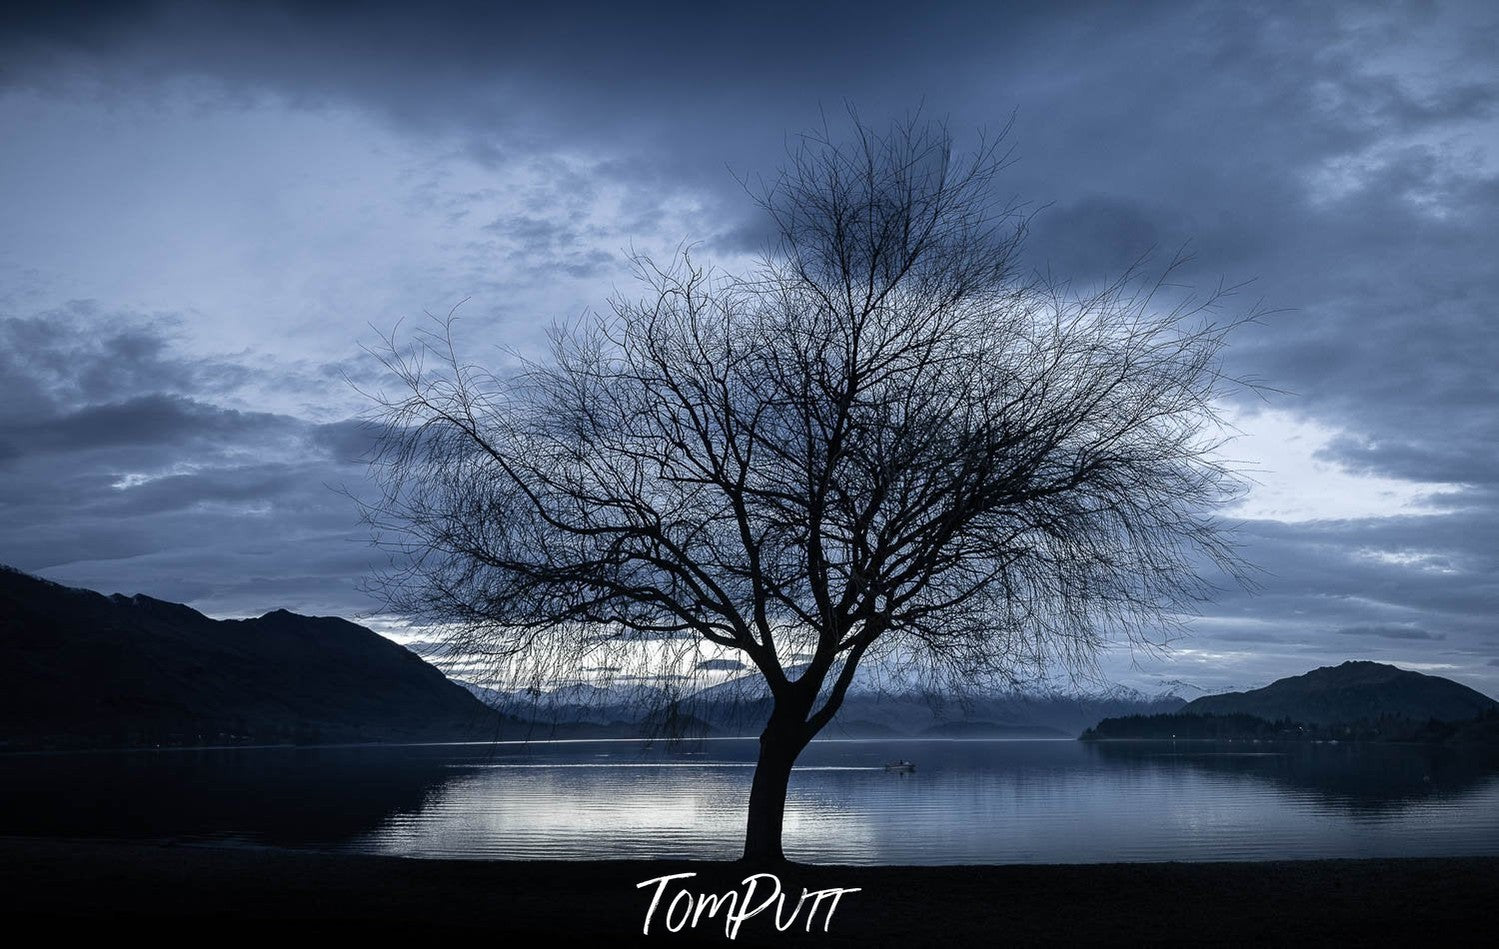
881,446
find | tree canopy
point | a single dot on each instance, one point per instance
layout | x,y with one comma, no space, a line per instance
882,441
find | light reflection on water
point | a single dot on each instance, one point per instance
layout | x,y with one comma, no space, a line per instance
968,802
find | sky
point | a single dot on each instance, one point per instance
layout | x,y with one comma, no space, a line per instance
210,209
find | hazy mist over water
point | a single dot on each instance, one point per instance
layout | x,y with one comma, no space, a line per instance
970,801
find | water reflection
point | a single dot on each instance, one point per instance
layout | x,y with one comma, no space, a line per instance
1359,777
968,802
278,796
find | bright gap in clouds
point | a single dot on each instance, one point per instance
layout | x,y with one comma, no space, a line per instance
1279,453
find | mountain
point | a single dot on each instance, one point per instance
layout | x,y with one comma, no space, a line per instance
1001,714
83,669
1349,693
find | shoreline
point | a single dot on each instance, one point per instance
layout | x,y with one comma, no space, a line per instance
189,892
23,751
18,752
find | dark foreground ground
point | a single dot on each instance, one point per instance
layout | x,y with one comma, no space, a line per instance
175,895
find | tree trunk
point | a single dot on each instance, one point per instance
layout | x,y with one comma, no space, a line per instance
780,744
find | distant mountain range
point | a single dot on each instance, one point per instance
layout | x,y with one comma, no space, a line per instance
740,707
83,669
86,670
1358,699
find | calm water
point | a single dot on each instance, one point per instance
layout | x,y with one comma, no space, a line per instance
969,801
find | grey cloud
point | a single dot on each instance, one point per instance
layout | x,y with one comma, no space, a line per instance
1412,633
246,487
350,441
1247,637
720,665
1437,457
142,421
1103,235
1378,100
168,491
84,353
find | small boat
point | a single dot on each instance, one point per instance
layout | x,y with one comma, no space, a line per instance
900,767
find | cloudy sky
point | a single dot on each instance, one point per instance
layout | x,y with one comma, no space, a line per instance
208,209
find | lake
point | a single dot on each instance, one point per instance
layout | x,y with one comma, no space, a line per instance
969,801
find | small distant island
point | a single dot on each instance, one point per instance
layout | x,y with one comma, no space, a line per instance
1355,701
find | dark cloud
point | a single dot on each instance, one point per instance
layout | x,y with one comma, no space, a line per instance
721,665
350,441
140,422
1413,633
1439,456
1103,235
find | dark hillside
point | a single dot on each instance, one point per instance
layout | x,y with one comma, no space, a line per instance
86,669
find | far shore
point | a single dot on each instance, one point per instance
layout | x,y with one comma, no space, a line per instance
181,893
569,739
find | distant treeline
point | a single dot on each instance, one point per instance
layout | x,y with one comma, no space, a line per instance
1484,729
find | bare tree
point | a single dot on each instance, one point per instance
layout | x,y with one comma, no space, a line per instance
880,447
